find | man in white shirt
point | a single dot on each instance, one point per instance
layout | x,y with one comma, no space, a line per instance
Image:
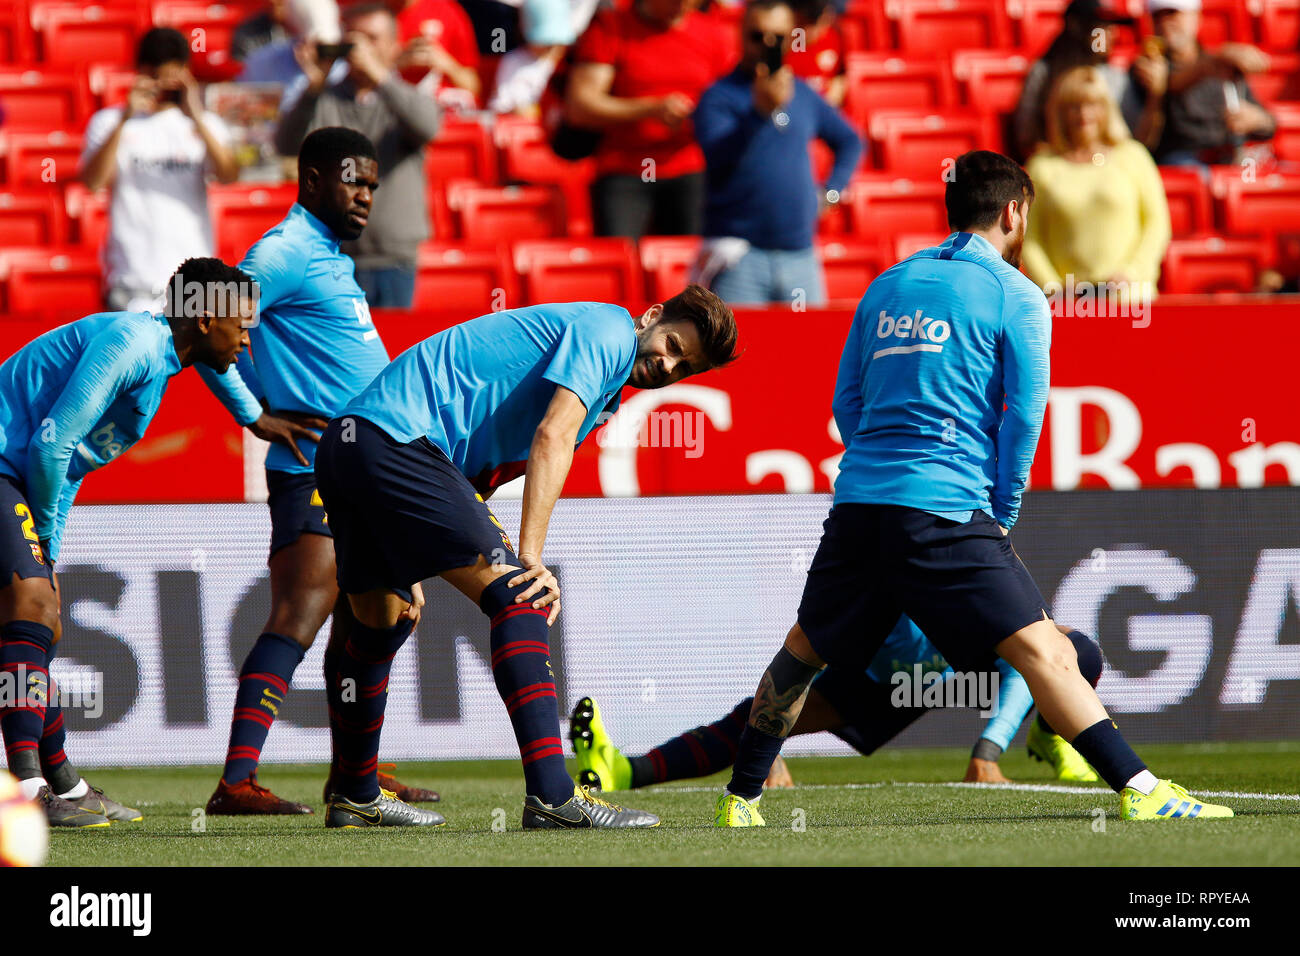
156,153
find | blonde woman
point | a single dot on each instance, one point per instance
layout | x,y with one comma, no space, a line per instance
1100,214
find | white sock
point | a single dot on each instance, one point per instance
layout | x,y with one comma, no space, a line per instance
1143,782
76,793
30,786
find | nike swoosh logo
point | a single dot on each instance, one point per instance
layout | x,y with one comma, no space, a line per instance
269,693
373,816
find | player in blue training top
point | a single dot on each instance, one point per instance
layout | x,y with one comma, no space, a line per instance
940,397
862,709
71,401
404,472
314,347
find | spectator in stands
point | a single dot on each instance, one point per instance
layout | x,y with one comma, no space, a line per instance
261,29
1087,38
373,99
439,50
817,52
637,76
1100,214
550,28
1205,110
762,206
155,153
308,22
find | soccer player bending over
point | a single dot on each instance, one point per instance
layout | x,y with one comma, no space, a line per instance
404,471
73,400
928,488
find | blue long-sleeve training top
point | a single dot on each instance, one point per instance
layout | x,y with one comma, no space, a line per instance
939,343
758,176
74,399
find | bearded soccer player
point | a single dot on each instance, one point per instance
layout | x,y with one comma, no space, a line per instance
73,400
313,348
404,471
859,708
940,398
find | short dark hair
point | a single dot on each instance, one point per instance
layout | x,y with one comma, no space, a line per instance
712,318
982,184
770,4
355,11
810,11
326,148
162,45
211,276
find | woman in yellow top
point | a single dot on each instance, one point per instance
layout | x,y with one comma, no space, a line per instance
1100,214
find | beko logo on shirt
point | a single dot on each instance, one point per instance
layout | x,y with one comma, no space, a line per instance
931,332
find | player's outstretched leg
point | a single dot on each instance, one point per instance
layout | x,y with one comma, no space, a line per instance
521,668
1049,664
777,703
356,680
1045,744
64,781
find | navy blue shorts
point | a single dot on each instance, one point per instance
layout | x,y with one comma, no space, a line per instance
962,584
296,508
20,550
400,512
866,706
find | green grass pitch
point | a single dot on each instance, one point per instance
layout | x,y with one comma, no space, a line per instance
892,809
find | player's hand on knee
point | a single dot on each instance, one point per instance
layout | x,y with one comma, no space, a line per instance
287,428
412,613
983,771
542,581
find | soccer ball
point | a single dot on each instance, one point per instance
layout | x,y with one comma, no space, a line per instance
24,833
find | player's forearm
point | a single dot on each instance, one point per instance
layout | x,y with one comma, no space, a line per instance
1013,706
233,393
549,461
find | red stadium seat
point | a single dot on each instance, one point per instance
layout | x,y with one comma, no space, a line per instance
241,213
990,79
32,219
1286,141
865,24
1281,82
64,282
564,270
39,159
87,215
506,212
465,277
1279,24
849,265
888,80
1263,207
527,157
43,98
1214,265
209,27
938,26
885,205
110,84
461,151
1223,21
71,33
667,262
16,45
1036,22
1188,197
919,144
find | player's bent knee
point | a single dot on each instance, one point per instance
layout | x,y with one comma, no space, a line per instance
1088,654
500,594
378,609
34,600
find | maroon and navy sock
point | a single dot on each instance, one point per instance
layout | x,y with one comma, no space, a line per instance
356,683
1090,666
521,667
1105,748
696,753
25,653
56,770
263,685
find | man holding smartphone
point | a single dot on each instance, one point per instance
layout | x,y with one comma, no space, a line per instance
155,152
761,203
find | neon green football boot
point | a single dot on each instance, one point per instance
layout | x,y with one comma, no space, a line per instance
1167,801
601,765
1055,750
734,811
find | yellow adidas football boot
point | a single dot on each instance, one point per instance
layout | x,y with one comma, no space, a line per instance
1167,801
